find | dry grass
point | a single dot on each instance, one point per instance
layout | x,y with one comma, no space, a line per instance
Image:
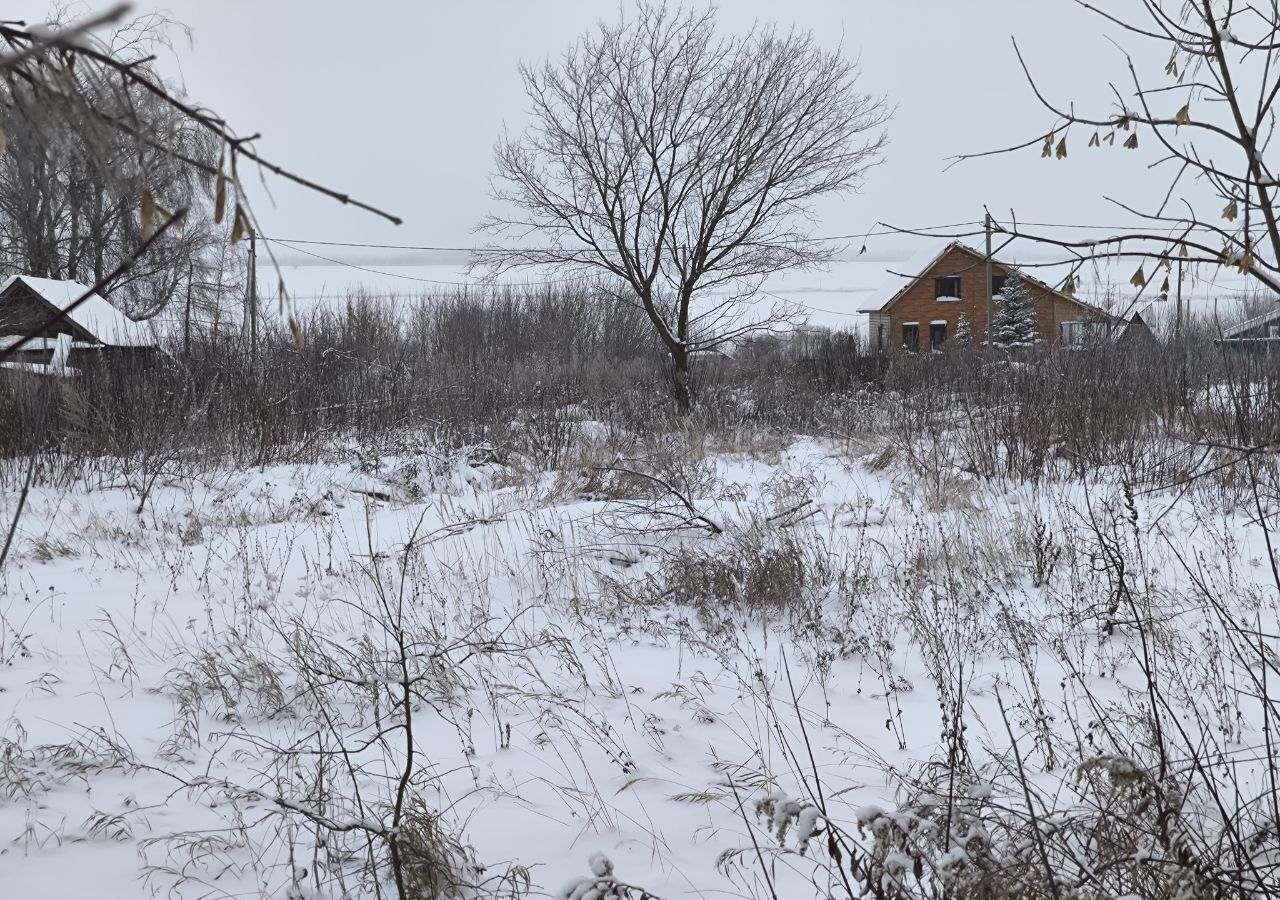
948,580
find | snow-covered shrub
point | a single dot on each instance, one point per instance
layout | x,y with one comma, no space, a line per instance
1115,830
788,817
228,680
758,572
758,569
433,862
601,884
427,469
610,482
29,773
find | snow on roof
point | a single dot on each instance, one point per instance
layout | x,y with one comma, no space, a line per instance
930,250
42,344
41,369
1230,314
95,315
900,274
1239,328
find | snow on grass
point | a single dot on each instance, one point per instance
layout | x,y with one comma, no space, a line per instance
210,697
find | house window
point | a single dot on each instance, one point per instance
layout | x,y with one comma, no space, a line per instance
911,337
1072,334
947,288
937,335
880,337
998,283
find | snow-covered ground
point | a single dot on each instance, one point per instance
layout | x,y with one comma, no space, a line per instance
199,700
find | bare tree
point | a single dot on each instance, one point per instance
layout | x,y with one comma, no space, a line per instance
70,195
64,83
112,132
1209,119
680,167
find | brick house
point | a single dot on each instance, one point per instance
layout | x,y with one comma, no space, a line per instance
921,311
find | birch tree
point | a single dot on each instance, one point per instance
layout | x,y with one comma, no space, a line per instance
111,165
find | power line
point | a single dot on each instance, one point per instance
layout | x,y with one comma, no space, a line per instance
875,231
348,265
793,302
878,230
287,241
809,306
1133,226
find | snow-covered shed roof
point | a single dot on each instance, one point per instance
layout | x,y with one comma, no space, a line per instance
1239,329
96,316
1230,315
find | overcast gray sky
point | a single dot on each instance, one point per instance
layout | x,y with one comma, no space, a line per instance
399,102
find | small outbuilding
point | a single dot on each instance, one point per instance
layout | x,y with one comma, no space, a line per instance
1261,332
1136,334
42,307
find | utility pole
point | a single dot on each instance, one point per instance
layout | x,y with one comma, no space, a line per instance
1186,344
186,319
1177,321
990,284
253,294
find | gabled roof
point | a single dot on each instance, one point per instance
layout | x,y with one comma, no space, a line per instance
1230,313
95,316
929,256
1248,325
1135,328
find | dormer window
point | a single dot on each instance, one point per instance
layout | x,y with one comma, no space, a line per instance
947,288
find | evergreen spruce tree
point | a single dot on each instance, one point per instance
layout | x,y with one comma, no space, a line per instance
964,332
1013,324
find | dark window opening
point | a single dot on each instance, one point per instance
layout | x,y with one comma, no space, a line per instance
998,283
880,337
911,337
946,287
937,335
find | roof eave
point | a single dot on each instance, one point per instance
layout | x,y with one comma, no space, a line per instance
912,280
59,314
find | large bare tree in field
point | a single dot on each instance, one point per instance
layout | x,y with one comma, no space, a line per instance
680,167
1202,121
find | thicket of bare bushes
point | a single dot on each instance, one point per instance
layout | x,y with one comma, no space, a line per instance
464,366
520,367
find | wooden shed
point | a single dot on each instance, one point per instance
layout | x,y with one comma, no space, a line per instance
43,307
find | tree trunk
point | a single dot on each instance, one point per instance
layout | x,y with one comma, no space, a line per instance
680,379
